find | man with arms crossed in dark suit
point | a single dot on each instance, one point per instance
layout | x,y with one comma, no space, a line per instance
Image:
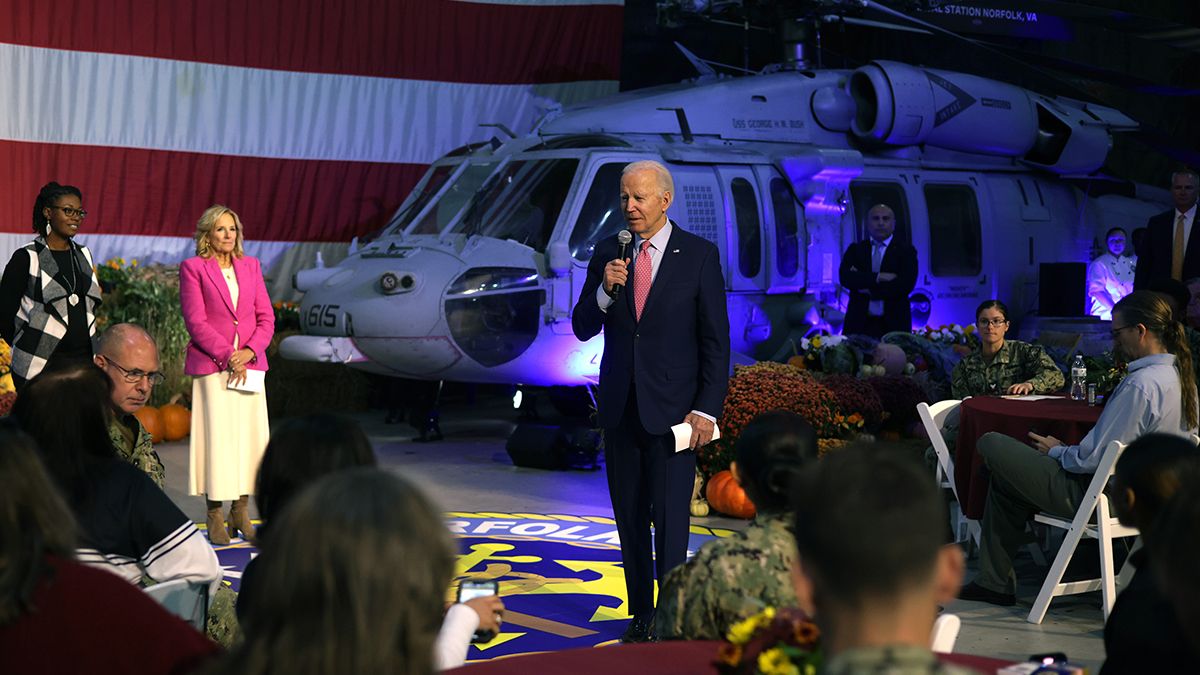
879,273
666,361
1169,250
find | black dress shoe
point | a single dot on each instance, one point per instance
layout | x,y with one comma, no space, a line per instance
640,629
976,593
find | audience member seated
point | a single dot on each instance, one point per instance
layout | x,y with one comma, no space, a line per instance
304,449
1157,396
58,616
1142,633
872,564
1174,550
128,355
733,578
352,580
1002,366
129,526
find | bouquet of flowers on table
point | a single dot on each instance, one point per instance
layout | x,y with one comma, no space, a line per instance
773,642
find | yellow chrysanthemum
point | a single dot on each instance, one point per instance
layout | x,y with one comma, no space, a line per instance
741,632
775,662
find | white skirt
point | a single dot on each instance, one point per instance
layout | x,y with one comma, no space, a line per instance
229,434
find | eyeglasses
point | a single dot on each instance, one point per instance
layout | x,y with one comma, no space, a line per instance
1117,331
135,376
71,212
994,323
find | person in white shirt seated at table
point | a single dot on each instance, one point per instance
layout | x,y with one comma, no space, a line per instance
1157,396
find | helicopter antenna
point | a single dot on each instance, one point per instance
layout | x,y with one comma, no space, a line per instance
703,69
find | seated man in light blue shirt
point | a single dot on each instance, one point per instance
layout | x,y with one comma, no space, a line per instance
1157,396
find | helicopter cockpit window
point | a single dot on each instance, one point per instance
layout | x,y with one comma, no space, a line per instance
748,227
954,233
600,216
427,189
453,199
867,194
787,229
521,202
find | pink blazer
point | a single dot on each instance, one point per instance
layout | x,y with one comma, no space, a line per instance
212,320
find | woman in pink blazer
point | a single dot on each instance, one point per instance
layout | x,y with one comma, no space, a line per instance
229,317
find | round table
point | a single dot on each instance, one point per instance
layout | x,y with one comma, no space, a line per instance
1067,420
673,657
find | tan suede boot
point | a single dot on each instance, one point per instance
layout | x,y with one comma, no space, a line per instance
216,524
239,519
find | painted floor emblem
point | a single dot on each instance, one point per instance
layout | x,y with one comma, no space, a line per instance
560,576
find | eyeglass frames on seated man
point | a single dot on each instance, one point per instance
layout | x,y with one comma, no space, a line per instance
132,376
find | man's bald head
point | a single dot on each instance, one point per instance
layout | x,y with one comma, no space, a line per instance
123,351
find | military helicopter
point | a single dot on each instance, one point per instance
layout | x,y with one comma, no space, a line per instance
475,277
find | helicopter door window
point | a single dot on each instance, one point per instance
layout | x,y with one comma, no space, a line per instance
600,216
866,194
749,228
521,202
787,229
452,200
954,233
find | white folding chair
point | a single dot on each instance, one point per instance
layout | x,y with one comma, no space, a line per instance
1093,519
945,633
184,599
933,417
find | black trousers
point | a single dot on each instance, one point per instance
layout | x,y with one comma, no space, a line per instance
649,483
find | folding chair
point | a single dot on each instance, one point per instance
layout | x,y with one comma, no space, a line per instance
1092,519
184,599
934,418
945,633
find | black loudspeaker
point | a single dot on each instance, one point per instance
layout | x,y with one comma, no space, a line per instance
1062,289
554,447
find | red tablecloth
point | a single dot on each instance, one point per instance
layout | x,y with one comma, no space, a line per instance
1066,420
673,657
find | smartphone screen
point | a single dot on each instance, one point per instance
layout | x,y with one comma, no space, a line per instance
469,590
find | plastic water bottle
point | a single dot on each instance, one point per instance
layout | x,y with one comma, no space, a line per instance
1078,379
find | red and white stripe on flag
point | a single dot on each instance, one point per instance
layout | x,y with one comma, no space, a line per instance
313,119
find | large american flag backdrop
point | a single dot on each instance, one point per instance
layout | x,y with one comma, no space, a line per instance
311,118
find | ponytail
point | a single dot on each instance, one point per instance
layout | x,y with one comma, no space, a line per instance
1175,340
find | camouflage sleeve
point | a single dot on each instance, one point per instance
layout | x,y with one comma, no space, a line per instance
140,454
1041,370
668,615
959,382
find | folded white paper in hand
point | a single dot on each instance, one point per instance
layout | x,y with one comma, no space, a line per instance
683,435
255,382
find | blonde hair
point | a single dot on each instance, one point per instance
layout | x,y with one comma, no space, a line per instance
204,227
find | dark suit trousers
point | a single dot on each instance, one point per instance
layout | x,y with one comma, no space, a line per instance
648,482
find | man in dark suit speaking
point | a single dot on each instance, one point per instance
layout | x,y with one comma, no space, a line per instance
661,304
1169,250
879,272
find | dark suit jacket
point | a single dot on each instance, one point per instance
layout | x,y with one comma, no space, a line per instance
1154,261
856,275
677,356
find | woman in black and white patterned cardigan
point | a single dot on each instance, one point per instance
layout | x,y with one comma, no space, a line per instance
50,290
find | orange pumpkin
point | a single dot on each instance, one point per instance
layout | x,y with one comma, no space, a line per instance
797,361
725,495
151,419
176,420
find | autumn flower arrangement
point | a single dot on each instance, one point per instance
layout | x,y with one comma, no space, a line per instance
287,316
952,334
773,642
767,386
899,396
856,395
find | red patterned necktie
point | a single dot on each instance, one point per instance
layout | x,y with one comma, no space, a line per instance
642,276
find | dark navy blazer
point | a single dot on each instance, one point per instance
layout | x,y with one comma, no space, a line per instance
677,356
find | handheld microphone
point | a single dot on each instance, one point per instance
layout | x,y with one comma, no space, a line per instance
624,237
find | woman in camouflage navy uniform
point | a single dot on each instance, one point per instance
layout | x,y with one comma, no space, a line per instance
1002,366
736,577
